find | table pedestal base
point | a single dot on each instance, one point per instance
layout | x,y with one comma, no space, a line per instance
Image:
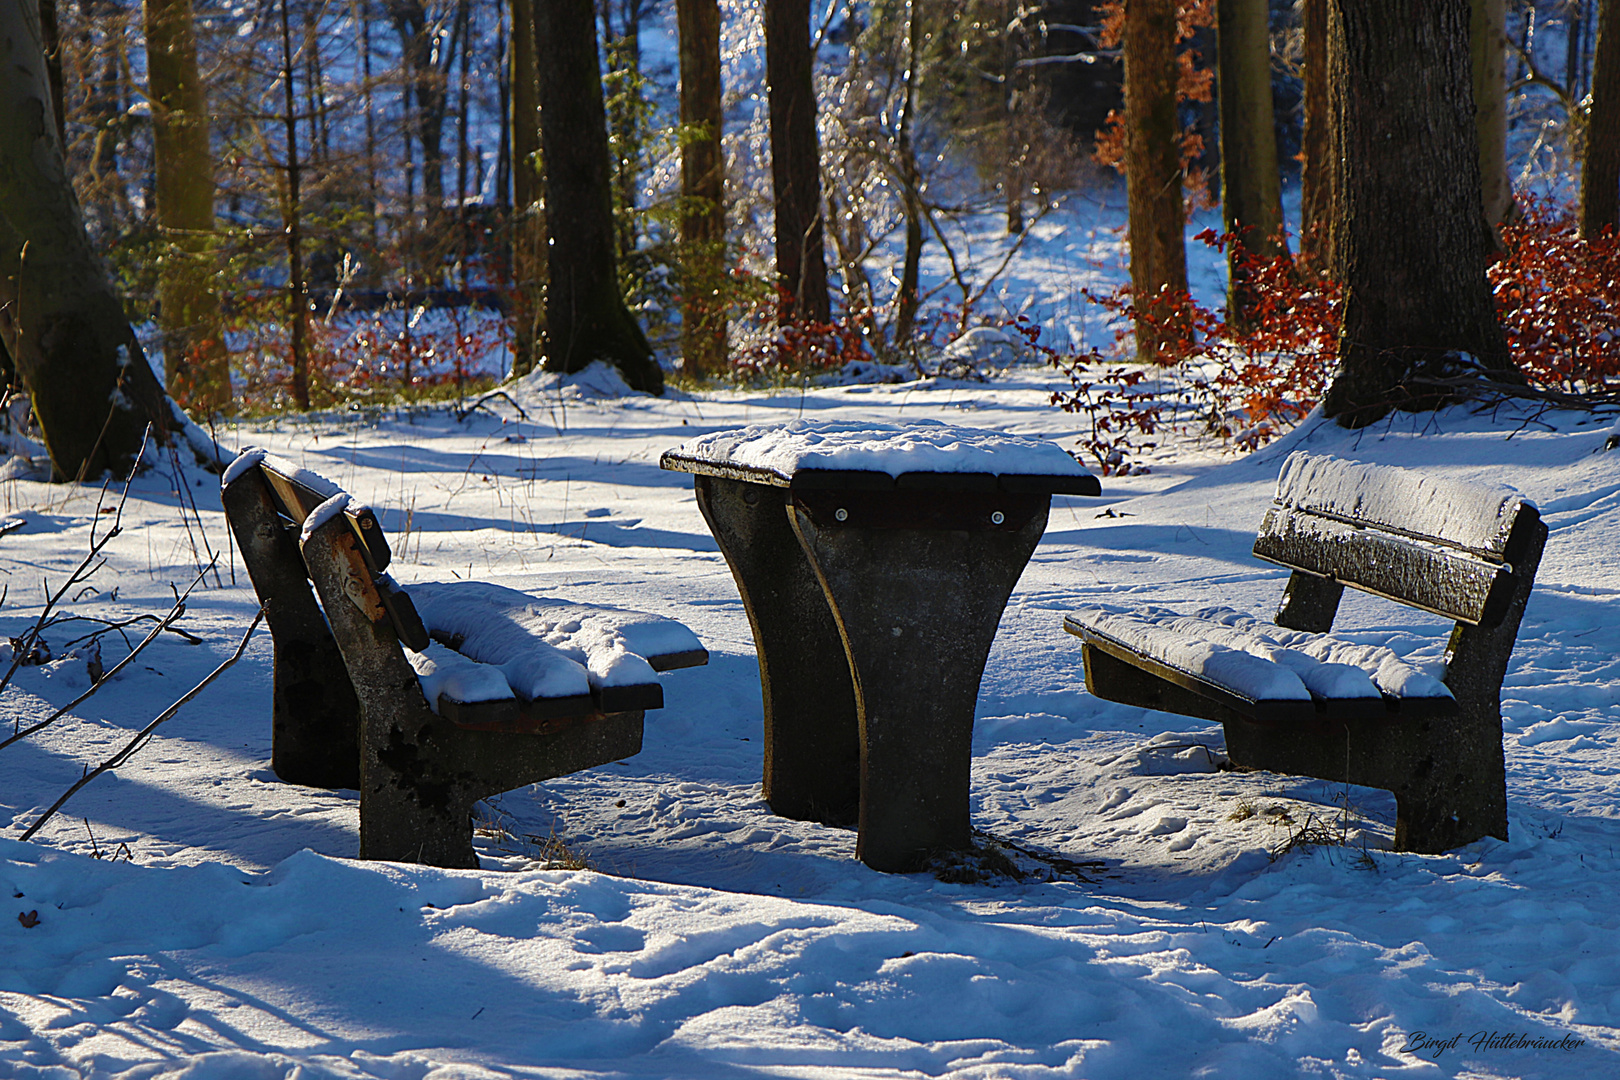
812,737
872,636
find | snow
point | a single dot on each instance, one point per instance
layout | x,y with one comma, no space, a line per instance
528,635
1473,516
1260,661
918,446
333,506
1169,927
443,671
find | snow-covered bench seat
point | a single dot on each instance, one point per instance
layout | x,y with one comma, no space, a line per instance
431,698
1294,698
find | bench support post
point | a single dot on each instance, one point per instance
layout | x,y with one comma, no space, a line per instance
917,610
419,774
315,715
812,739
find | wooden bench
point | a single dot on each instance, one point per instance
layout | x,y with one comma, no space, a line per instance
482,690
1294,699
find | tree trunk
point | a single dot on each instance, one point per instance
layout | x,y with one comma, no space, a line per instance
292,217
624,117
1153,176
528,213
1012,180
196,365
427,85
1487,42
1410,237
586,318
910,196
1600,167
1316,173
53,63
801,268
703,212
92,390
1251,187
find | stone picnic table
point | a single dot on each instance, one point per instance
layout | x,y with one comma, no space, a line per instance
874,562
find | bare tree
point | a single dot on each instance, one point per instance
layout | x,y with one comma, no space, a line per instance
93,392
1600,168
1251,186
195,361
1410,237
586,317
801,267
703,180
1153,175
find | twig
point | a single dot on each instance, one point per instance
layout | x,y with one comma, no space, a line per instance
108,626
175,612
145,734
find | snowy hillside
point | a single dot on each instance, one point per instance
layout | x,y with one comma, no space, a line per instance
1165,925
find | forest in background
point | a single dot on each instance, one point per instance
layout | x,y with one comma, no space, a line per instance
305,202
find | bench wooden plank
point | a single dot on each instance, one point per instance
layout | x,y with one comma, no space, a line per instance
1467,552
1442,580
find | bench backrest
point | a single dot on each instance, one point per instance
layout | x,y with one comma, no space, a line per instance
1444,546
298,493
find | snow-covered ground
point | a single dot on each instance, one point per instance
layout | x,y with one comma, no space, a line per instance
1162,930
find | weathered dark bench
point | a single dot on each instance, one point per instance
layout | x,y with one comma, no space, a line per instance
483,690
1294,699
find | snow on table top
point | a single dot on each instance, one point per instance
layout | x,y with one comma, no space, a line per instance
549,647
921,446
1473,516
1261,662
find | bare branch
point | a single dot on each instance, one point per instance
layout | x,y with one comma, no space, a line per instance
145,734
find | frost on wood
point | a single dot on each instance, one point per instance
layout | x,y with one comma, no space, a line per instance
925,446
1476,517
548,647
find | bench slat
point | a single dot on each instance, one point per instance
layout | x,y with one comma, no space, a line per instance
1476,518
1442,580
1151,656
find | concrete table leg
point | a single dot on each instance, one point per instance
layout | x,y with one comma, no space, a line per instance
812,743
917,609
315,715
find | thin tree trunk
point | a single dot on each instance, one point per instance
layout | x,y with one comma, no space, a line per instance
1574,27
92,390
1410,234
586,318
801,267
1017,150
1153,177
1251,186
624,120
427,85
373,205
195,361
528,213
1487,42
293,226
911,198
53,63
703,178
1600,167
1316,174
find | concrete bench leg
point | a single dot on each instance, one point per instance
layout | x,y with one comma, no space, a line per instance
812,741
917,610
315,715
419,773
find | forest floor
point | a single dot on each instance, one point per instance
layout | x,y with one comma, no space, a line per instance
190,915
